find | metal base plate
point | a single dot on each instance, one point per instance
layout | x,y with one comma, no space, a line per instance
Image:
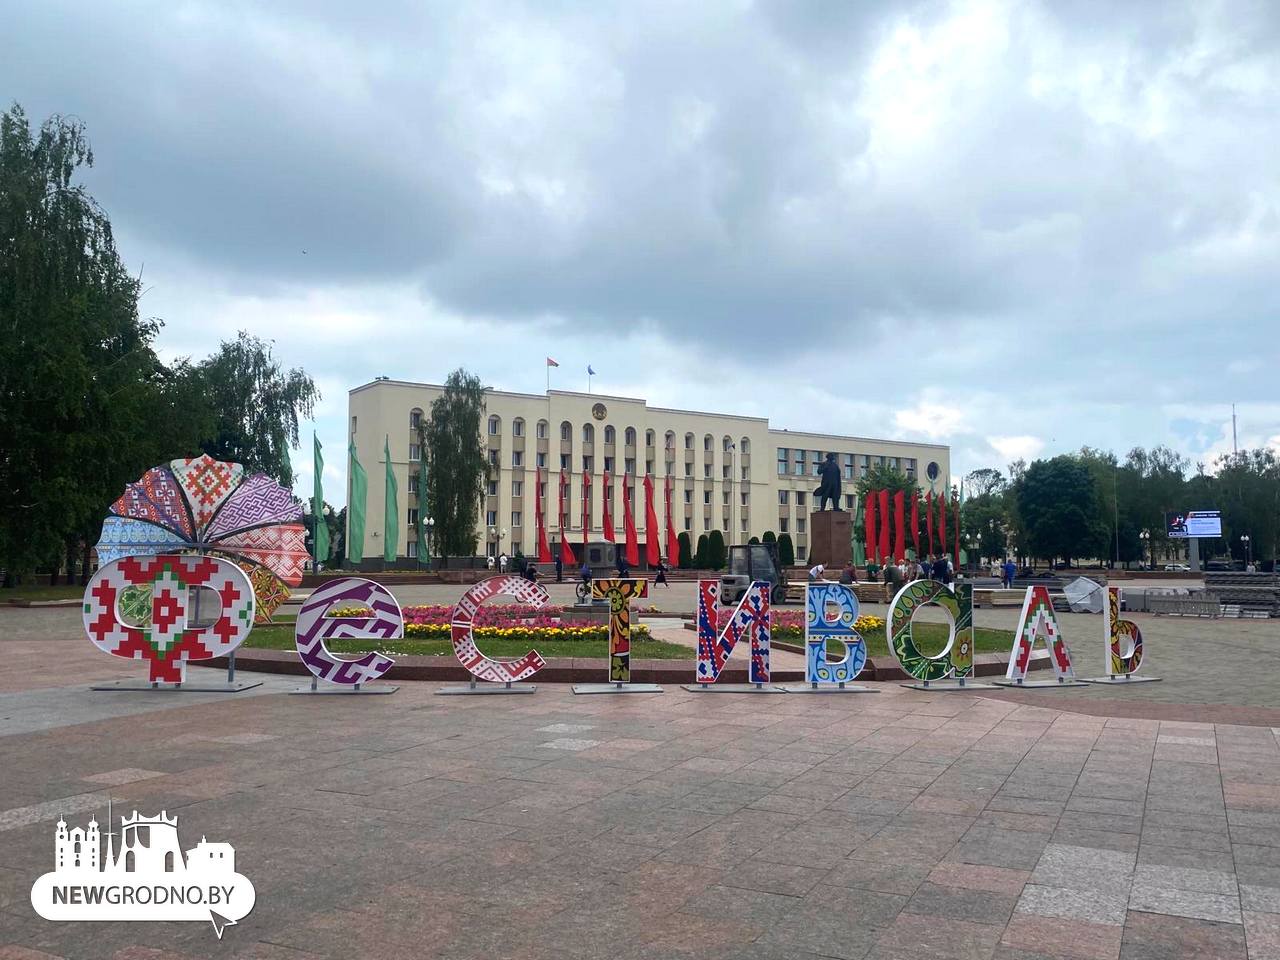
947,685
827,688
485,689
731,688
1121,679
1038,684
142,686
616,688
344,690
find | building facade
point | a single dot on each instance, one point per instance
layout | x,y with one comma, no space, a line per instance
729,473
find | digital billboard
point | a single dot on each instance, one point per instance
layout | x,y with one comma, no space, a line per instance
1193,523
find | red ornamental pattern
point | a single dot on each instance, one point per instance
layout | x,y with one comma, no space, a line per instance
281,548
207,482
464,644
167,643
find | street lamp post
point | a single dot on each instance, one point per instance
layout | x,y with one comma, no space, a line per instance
1244,539
1145,537
430,522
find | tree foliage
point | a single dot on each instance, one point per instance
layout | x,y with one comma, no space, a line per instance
685,560
255,405
716,555
1058,501
786,551
700,559
456,465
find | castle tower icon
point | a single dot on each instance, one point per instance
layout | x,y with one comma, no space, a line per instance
149,845
78,848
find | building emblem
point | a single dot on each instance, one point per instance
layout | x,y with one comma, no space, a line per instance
599,411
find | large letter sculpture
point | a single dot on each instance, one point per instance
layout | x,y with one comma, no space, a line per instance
720,629
1038,621
956,658
314,628
619,593
464,645
1124,644
831,613
167,642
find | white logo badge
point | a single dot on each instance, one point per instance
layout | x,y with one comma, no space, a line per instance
147,878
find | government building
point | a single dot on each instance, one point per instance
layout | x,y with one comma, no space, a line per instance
730,473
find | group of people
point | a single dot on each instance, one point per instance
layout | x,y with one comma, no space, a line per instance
894,575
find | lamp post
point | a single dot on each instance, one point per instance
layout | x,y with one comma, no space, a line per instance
430,523
1145,537
1244,539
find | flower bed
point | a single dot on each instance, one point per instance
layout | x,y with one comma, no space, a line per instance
497,622
789,624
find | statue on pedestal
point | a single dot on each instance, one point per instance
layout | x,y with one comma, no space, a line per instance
830,487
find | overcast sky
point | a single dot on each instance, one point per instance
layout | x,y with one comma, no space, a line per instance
1013,227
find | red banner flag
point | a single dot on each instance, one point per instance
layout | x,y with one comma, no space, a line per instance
652,534
586,510
942,524
915,521
884,525
899,542
566,551
673,542
928,520
544,551
606,514
869,530
629,523
955,522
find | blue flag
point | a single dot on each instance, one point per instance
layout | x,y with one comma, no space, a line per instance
590,372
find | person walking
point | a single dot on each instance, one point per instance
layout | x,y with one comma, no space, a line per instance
892,580
502,563
489,561
559,569
661,574
939,569
1010,569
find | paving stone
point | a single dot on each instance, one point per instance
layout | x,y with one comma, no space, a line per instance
1262,934
1001,880
980,906
1152,936
898,877
1058,937
1259,898
1186,878
914,936
1185,903
1070,903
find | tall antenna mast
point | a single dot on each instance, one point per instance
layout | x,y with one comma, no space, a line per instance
1234,448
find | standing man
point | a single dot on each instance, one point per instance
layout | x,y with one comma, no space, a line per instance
1010,569
559,569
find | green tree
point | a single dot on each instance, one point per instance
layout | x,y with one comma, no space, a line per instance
1058,503
987,481
716,555
786,551
85,405
256,405
685,561
700,560
769,537
753,541
883,477
456,465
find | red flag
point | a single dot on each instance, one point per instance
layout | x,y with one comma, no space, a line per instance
899,542
942,523
673,542
544,551
566,551
869,530
606,516
652,535
915,521
884,524
955,522
629,524
586,509
928,519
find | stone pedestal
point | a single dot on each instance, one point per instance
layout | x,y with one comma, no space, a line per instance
830,538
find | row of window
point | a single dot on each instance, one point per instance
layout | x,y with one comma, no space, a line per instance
801,462
517,520
784,498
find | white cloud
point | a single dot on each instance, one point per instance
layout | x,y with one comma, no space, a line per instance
932,420
1016,448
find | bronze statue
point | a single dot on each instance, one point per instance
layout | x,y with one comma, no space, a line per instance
830,488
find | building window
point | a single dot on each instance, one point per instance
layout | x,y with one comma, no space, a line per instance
799,467
848,466
800,551
493,458
610,435
743,525
706,496
491,488
413,482
800,524
648,466
629,466
817,462
517,458
706,443
725,471
800,498
491,517
415,419
564,461
669,441
630,437
495,426
517,427
726,444
608,464
688,441
784,524
706,471
515,518
745,498
587,464
542,429
413,516
542,491
782,461
588,433
724,498
745,472
541,460
517,488
784,497
848,502
688,469
353,426
415,452
688,524
706,523
566,430
688,496
648,438
744,445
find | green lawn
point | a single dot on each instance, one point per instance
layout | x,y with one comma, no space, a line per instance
279,636
930,638
70,592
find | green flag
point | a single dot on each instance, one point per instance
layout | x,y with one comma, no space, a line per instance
424,549
321,535
391,517
355,509
859,552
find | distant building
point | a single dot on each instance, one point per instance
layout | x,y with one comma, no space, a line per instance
78,848
729,473
206,857
149,844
